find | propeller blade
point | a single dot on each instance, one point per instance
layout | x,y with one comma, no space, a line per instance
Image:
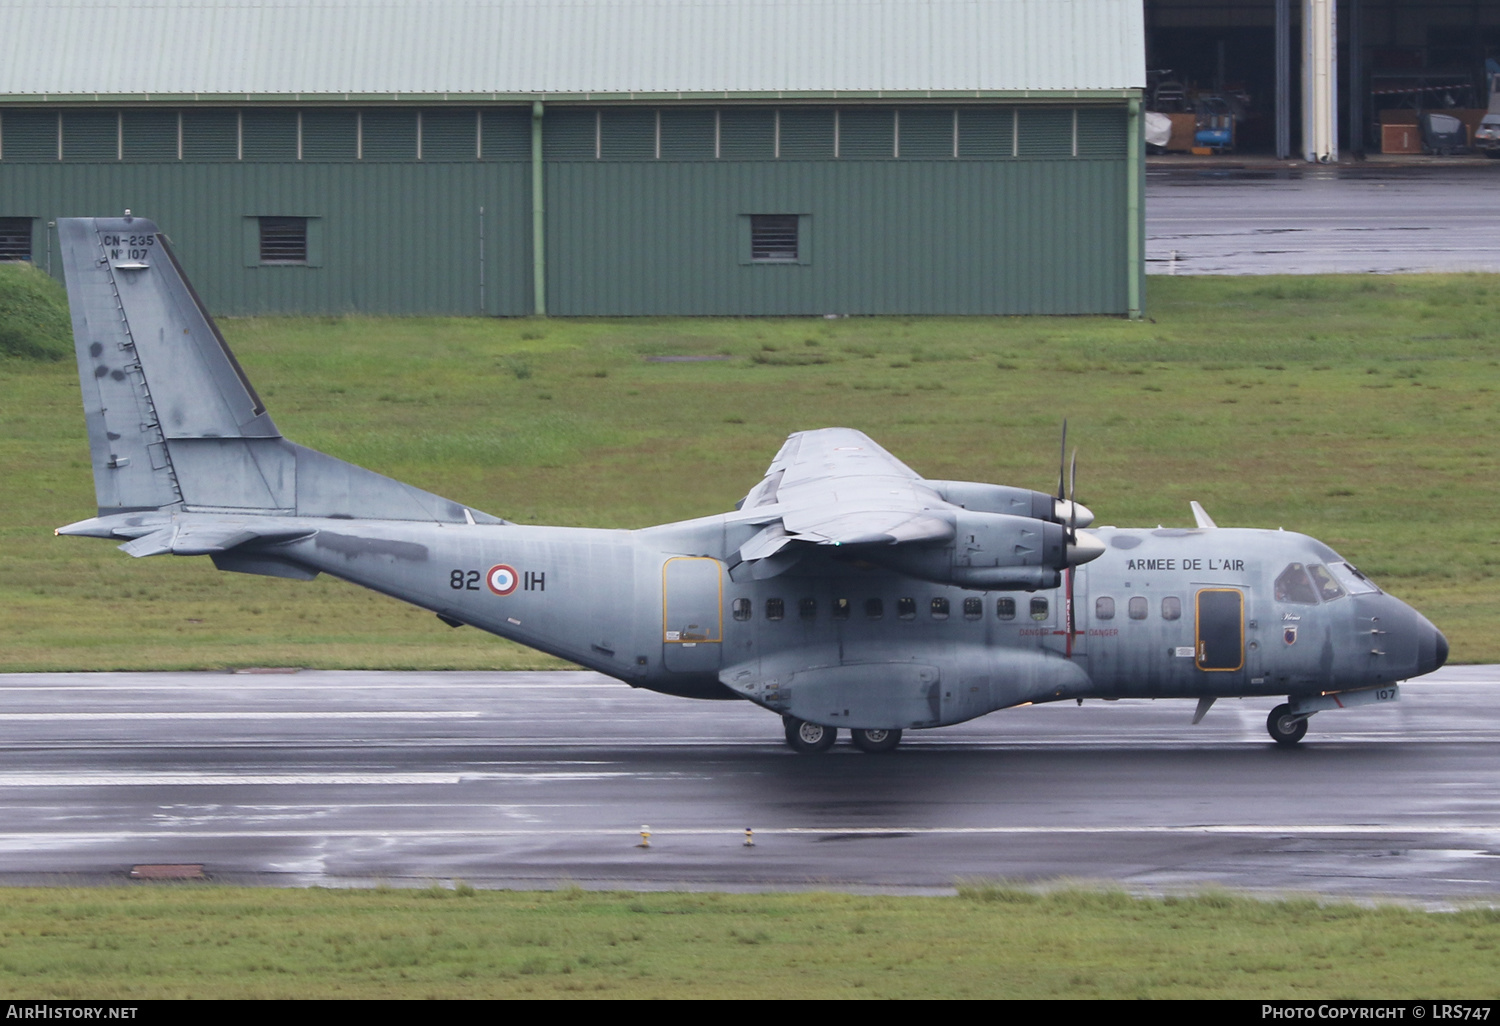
1062,461
1072,502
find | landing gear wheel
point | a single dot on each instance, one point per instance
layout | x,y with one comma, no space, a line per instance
809,738
875,741
1285,729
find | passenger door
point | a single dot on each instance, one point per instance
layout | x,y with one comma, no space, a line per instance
1220,630
692,613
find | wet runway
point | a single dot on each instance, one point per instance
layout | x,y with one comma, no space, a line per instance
1316,220
535,780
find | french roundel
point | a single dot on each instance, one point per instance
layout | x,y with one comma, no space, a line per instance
502,579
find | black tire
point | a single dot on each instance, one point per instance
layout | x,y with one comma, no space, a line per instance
875,741
809,738
1285,729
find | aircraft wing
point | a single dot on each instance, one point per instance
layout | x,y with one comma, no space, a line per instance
836,486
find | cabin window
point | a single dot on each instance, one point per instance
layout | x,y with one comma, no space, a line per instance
1005,609
1137,607
1328,588
874,608
775,609
940,609
1171,608
841,609
906,608
1104,608
1294,586
807,608
742,608
1039,609
973,608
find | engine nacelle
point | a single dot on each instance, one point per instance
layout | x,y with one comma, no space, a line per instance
1020,502
993,498
990,552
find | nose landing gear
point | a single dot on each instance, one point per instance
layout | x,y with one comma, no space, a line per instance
1286,728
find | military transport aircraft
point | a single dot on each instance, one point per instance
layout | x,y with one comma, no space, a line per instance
843,592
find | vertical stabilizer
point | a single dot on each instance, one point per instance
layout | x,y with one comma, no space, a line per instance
174,423
151,362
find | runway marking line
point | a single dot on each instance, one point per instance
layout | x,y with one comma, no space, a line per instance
737,832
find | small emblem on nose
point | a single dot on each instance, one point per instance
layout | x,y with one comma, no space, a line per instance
1289,635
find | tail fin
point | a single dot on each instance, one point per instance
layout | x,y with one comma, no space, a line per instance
174,424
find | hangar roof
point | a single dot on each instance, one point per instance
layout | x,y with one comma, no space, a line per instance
84,50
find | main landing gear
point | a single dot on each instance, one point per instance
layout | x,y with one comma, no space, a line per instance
875,741
809,738
1286,729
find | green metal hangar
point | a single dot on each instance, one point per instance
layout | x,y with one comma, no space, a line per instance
593,157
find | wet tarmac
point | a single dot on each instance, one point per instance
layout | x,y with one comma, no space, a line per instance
537,780
1308,219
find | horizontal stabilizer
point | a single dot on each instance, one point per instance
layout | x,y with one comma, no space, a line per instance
189,534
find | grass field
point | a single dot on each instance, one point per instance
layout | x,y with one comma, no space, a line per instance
989,942
1360,410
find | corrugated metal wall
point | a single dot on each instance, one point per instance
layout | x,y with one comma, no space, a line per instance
397,238
916,209
917,237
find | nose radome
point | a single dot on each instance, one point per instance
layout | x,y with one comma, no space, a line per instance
1441,653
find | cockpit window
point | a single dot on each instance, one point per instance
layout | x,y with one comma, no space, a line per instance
1294,586
1354,582
1328,588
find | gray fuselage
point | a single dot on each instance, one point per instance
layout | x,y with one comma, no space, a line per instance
1163,613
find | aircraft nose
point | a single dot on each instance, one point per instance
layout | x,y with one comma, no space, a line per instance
1432,647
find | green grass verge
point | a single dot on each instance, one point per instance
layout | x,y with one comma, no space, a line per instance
989,942
34,322
1357,409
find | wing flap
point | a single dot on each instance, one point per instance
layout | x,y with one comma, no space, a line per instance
870,527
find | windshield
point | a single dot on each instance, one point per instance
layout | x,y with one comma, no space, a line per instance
1328,588
1354,582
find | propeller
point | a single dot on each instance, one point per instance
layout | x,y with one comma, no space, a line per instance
1082,547
1079,550
1066,509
